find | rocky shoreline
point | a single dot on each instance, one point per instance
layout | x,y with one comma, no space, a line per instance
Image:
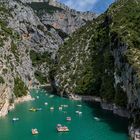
134,133
8,107
104,105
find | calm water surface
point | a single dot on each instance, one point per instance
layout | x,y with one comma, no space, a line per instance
83,127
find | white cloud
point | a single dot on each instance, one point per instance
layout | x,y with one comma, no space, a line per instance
81,5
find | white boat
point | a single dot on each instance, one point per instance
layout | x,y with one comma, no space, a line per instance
39,109
37,97
51,108
46,103
61,128
96,118
68,118
51,96
80,113
79,105
65,105
34,131
77,112
60,108
15,119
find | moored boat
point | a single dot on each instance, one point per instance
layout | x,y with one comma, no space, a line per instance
51,108
33,109
34,131
37,97
60,108
68,118
96,118
61,128
79,105
46,103
51,96
65,105
39,109
15,119
78,112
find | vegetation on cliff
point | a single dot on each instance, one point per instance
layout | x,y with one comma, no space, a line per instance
42,7
20,89
87,63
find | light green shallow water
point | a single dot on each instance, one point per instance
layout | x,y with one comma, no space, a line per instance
83,127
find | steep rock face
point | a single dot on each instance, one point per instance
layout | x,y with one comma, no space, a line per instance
102,59
28,45
61,17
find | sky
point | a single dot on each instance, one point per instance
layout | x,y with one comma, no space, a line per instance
98,6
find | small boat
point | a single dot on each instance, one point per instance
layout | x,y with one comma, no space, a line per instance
65,105
68,118
39,109
34,131
46,103
46,94
60,108
61,128
80,113
77,112
51,96
37,97
33,109
79,105
51,108
96,118
15,119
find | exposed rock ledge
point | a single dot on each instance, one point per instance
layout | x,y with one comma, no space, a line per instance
104,105
7,107
23,99
116,110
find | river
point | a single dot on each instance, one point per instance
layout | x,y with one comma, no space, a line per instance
93,124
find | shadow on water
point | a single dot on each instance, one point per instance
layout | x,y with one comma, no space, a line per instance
116,123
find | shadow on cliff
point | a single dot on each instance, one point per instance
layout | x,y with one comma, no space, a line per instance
116,123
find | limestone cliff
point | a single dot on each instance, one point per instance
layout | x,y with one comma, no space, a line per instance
28,45
102,59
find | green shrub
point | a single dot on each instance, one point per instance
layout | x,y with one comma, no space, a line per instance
42,7
1,80
38,58
40,77
14,50
20,89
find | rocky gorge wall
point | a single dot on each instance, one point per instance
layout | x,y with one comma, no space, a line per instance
102,60
28,46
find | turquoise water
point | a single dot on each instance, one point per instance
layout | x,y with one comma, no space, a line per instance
84,127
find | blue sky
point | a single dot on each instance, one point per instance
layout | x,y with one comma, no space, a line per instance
98,6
